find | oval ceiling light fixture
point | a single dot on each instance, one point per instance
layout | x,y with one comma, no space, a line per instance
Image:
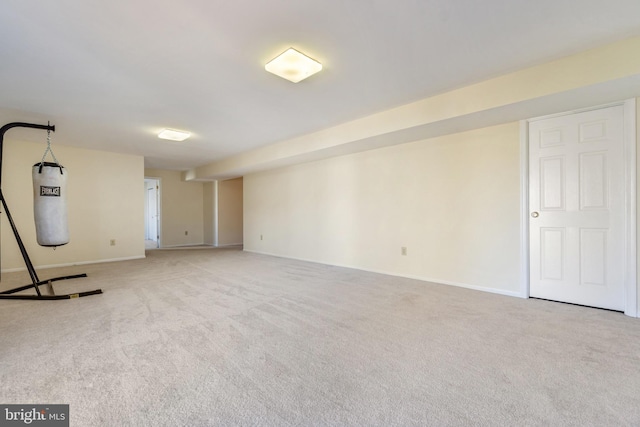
293,65
173,135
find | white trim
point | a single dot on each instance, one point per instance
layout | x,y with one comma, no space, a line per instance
196,246
186,244
215,212
524,209
71,264
159,212
629,142
630,273
406,276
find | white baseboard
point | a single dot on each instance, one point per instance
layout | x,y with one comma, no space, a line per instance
185,245
407,276
70,264
201,244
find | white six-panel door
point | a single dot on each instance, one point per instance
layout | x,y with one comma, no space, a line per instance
577,210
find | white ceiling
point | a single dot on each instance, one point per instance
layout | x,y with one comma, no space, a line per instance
111,74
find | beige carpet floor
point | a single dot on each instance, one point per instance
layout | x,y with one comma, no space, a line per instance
222,337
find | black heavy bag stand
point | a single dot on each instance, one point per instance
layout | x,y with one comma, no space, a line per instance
35,281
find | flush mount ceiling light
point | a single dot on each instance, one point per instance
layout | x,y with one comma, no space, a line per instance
293,65
174,135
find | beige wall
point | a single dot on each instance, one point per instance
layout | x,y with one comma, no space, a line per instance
181,209
105,202
230,223
452,201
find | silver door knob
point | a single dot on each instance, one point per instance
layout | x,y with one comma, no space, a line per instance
535,214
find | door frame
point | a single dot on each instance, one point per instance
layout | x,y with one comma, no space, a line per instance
158,209
629,147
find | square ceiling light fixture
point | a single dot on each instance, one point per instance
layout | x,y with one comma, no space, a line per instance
173,135
293,65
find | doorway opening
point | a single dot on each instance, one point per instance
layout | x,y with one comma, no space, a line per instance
151,213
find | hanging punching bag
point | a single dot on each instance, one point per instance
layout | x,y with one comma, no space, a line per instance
50,204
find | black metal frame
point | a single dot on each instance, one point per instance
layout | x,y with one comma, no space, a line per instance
35,281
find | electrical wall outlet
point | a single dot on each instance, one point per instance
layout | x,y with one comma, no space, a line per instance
186,233
403,250
112,242
261,237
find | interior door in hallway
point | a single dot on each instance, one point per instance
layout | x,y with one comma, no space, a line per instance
152,213
577,208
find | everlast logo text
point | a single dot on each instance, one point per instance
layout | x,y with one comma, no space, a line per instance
49,191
